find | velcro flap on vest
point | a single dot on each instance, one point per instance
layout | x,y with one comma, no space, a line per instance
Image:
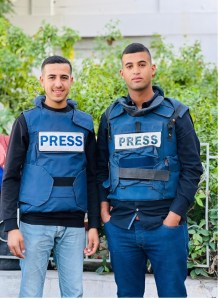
144,174
116,111
83,120
165,109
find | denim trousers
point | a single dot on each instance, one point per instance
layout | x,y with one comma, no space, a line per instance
68,244
165,247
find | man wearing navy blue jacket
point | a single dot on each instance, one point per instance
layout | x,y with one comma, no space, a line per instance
50,173
149,169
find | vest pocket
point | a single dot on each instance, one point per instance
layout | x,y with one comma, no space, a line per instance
144,158
148,189
174,168
38,194
167,189
71,197
36,185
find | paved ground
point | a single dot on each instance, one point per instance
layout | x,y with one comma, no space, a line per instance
102,286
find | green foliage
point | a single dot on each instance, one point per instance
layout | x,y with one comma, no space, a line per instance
104,268
49,40
6,6
97,82
95,88
7,118
203,242
188,78
21,55
111,34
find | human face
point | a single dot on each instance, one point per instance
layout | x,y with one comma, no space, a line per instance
56,80
137,71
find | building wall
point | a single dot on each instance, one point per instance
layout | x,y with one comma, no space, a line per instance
178,21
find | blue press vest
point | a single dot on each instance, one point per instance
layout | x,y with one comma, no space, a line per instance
142,150
54,172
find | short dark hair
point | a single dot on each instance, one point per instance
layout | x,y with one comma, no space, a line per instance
56,59
135,48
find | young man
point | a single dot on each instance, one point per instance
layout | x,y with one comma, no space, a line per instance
152,151
50,171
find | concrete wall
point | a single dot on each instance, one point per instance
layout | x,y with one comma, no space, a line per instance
178,21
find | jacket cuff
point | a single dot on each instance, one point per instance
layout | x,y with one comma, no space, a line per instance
102,193
181,209
94,222
10,224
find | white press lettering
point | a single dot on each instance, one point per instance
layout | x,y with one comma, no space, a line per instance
137,140
61,142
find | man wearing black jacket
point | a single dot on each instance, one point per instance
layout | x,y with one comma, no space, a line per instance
148,173
50,173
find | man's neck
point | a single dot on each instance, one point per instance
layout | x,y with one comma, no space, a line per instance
140,97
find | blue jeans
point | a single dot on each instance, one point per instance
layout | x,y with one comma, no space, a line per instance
165,247
68,244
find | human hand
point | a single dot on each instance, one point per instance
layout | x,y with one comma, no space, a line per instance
105,212
16,243
172,219
93,242
105,217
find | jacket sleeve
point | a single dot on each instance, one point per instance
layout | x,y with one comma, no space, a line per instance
93,202
188,149
102,158
15,158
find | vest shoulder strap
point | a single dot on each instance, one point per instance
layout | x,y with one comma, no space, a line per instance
107,114
179,110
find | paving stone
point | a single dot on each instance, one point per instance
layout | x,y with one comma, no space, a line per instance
102,286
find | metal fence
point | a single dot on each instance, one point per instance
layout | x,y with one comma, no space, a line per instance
206,177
